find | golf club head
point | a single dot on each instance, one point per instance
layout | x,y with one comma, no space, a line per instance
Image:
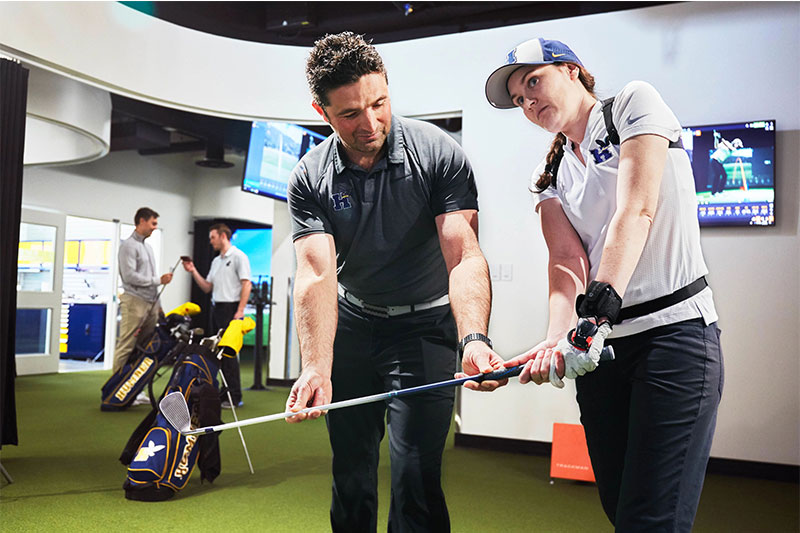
174,408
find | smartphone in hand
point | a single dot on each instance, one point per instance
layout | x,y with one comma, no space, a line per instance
185,258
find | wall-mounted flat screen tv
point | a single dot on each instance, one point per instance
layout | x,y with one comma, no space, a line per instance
734,172
273,151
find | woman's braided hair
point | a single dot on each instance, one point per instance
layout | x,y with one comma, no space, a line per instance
553,159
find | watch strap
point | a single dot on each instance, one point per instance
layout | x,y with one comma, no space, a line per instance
473,337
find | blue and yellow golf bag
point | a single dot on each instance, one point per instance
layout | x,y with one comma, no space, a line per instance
171,335
161,462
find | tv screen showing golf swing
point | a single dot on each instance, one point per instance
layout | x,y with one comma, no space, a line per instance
734,172
273,151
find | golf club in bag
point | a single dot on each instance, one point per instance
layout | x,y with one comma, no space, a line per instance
176,411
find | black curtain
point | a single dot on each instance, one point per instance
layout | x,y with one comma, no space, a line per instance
13,100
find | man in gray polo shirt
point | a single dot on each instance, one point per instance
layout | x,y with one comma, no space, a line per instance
228,281
389,278
137,269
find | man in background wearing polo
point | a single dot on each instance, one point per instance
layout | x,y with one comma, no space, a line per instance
229,279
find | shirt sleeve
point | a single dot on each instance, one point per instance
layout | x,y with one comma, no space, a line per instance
212,272
638,109
454,185
540,196
307,214
244,267
128,268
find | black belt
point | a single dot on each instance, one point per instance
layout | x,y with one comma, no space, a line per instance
663,302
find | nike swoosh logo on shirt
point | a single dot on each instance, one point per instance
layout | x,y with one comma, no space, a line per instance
637,119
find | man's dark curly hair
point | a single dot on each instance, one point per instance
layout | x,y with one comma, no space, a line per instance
338,60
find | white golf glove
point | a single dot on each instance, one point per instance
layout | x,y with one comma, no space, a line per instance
598,343
578,362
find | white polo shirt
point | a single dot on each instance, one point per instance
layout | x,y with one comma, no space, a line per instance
226,274
671,257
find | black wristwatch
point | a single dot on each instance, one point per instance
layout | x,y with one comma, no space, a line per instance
473,337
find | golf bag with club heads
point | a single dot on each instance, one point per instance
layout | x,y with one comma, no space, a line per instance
169,338
160,460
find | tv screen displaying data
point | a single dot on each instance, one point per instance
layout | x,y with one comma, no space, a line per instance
734,172
274,150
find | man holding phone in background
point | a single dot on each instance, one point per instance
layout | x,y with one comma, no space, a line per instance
228,281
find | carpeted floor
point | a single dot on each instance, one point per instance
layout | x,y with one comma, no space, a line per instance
67,478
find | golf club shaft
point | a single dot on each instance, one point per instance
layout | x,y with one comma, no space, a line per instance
496,375
158,297
606,355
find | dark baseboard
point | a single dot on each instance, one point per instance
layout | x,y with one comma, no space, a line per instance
271,382
499,444
754,469
716,465
276,382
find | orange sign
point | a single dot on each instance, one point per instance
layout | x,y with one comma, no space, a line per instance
570,457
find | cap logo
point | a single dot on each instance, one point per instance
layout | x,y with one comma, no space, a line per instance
559,55
512,57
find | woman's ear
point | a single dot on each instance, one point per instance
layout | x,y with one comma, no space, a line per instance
574,71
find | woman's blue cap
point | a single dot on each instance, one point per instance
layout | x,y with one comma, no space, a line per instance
534,52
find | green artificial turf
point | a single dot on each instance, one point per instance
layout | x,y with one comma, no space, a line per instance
67,477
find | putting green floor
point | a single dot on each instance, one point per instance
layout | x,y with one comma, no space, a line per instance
67,478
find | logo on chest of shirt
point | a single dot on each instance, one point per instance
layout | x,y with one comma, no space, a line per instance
341,200
603,151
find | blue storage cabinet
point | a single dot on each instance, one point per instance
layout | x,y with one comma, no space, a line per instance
86,331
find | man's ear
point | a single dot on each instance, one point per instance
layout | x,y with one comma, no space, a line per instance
319,109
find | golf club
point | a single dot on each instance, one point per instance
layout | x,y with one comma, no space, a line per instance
158,296
174,408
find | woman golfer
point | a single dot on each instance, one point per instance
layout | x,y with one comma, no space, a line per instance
616,200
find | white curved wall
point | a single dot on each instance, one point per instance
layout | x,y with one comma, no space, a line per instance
127,52
712,62
67,122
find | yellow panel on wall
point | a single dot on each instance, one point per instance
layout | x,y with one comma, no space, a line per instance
71,252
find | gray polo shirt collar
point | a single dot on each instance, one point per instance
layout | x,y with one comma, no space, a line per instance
395,155
138,236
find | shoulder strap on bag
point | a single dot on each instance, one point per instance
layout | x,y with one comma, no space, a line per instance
613,135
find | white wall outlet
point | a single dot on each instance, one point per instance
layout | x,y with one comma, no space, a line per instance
506,272
494,272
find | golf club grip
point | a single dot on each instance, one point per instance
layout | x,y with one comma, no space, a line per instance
606,355
500,374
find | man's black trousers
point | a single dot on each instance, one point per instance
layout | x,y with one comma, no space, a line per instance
222,315
649,417
374,355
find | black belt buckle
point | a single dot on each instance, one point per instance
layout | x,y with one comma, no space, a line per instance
375,310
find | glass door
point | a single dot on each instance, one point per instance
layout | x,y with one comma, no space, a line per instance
39,281
87,296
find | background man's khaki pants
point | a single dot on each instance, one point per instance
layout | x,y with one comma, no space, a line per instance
133,309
